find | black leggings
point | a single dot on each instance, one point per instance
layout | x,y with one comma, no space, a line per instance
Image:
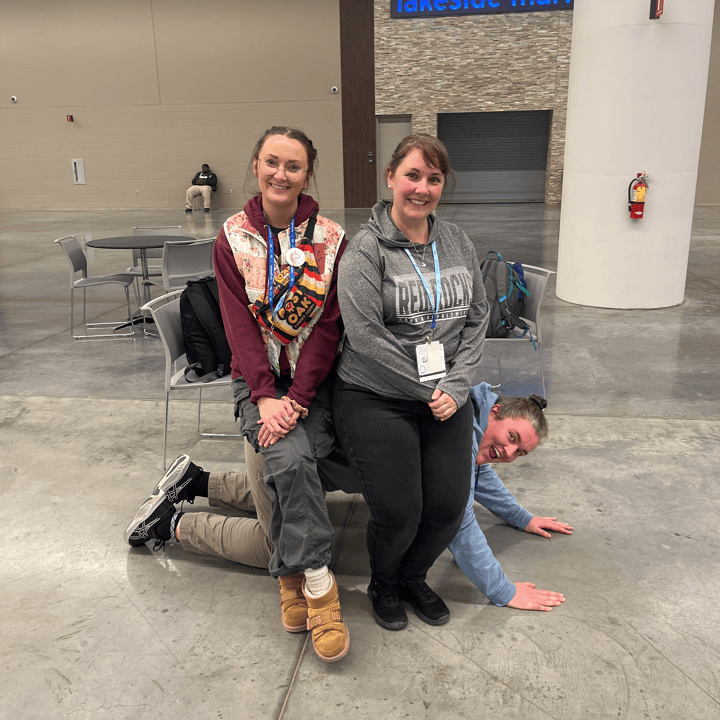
413,473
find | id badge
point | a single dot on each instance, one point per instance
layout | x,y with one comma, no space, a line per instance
430,361
273,352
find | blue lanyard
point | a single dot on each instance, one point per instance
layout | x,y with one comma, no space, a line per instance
436,305
271,268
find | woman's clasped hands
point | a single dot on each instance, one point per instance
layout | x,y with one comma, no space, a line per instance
277,418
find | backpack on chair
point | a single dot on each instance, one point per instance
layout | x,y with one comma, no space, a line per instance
506,294
206,346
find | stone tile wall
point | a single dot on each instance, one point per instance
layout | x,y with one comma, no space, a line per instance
516,61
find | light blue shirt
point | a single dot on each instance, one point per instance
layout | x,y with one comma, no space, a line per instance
470,548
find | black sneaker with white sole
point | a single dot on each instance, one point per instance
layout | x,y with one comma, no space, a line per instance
151,522
177,482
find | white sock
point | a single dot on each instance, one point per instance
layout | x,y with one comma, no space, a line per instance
317,582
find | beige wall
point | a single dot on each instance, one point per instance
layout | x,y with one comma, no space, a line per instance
517,61
156,88
708,185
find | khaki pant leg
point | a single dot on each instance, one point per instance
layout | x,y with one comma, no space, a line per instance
230,490
243,540
243,490
192,192
206,192
239,539
256,482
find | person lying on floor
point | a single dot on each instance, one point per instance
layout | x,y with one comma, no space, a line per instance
504,429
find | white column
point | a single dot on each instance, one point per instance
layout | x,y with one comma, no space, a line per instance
635,102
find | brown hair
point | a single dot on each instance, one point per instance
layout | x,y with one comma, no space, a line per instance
293,134
433,151
529,408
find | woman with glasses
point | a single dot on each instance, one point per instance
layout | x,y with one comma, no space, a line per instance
413,305
276,265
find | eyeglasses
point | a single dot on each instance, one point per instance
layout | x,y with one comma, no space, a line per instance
293,171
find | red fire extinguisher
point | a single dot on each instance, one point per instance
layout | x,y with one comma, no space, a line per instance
636,195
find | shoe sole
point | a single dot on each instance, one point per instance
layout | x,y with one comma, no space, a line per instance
426,619
295,628
144,511
173,474
399,625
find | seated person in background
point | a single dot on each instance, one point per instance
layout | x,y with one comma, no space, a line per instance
204,183
500,426
245,540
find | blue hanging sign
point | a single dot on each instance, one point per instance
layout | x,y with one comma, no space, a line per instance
439,8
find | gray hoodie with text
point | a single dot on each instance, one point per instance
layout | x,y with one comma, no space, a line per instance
387,312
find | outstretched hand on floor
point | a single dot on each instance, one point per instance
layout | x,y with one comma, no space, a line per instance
528,598
539,525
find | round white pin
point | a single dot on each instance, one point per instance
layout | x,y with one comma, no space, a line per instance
295,257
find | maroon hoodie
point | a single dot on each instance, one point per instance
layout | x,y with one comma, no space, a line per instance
249,359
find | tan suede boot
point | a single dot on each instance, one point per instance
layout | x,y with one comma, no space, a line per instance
330,637
293,603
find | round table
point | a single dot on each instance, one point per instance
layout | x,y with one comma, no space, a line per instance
142,243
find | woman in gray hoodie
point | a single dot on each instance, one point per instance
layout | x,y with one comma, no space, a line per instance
413,303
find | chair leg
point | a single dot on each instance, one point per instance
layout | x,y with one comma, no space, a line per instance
497,352
95,325
209,434
542,367
165,433
137,293
127,299
72,311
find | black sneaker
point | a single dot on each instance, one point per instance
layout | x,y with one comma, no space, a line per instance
188,209
147,524
427,605
177,482
207,209
388,611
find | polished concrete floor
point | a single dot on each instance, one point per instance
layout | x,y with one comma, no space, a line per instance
92,630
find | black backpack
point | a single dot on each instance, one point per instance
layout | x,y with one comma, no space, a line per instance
206,346
505,296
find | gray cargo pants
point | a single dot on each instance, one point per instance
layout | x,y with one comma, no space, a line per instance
300,529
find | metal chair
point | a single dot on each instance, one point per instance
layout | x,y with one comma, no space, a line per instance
536,279
153,270
183,261
165,311
78,264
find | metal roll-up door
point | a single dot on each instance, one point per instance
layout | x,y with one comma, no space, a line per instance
497,156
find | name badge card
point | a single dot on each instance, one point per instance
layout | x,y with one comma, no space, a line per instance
273,351
430,361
